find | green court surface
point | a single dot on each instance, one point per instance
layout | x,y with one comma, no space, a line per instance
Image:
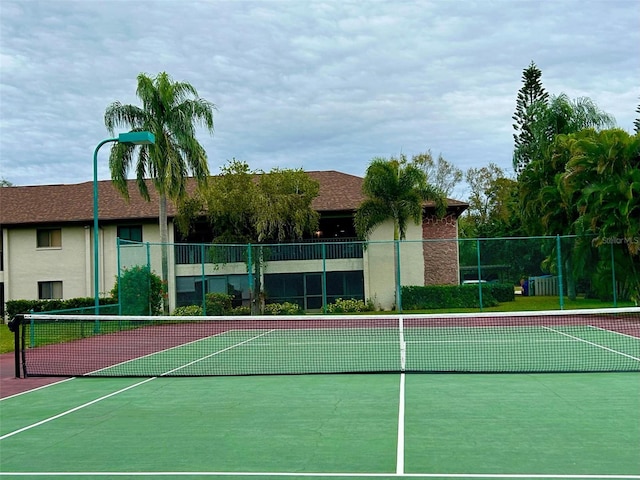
374,426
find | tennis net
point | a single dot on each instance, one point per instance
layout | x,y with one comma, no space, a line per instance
559,341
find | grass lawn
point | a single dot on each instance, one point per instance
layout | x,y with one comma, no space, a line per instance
536,304
6,339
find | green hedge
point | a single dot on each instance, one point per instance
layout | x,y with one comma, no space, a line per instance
14,307
141,291
455,296
218,303
503,292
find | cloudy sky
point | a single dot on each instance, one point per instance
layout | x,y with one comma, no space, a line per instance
319,85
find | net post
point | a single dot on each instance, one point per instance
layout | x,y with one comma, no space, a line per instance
14,326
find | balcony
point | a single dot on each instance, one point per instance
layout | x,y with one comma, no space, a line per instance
189,254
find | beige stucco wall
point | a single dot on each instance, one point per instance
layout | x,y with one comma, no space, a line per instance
379,266
72,263
26,264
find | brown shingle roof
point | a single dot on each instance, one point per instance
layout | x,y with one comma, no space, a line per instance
74,202
70,203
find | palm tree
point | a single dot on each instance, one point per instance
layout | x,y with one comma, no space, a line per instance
397,191
544,210
171,111
602,174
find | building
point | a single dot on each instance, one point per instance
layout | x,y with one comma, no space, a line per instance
46,247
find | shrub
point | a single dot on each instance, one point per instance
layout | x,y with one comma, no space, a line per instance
445,296
79,305
140,291
188,311
371,305
241,310
218,303
346,306
502,292
285,308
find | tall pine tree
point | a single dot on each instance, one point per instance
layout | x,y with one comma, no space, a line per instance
531,92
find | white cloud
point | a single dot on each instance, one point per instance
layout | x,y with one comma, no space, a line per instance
323,85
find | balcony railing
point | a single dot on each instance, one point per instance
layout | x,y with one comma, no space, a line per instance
189,254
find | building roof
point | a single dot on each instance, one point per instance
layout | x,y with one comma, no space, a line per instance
69,203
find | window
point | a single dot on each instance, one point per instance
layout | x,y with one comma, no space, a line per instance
49,290
131,233
305,289
189,290
49,237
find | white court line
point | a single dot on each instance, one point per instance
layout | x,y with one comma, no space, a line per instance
37,388
104,397
182,345
592,343
400,451
333,475
155,353
492,342
613,331
219,352
47,420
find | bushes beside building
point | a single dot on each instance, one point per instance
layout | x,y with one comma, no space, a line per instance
77,305
455,296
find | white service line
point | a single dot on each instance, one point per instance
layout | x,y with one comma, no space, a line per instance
614,332
592,343
37,388
219,352
75,409
155,353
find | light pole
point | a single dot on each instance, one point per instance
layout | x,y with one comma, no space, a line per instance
133,138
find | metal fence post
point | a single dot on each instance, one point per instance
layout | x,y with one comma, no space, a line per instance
560,277
204,280
250,277
479,273
398,287
613,277
324,277
119,244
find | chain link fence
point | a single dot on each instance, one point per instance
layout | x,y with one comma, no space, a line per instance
315,274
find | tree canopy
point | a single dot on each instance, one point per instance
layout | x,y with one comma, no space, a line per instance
531,92
246,206
602,180
544,211
440,173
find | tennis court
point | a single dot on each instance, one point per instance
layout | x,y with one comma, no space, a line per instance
239,412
